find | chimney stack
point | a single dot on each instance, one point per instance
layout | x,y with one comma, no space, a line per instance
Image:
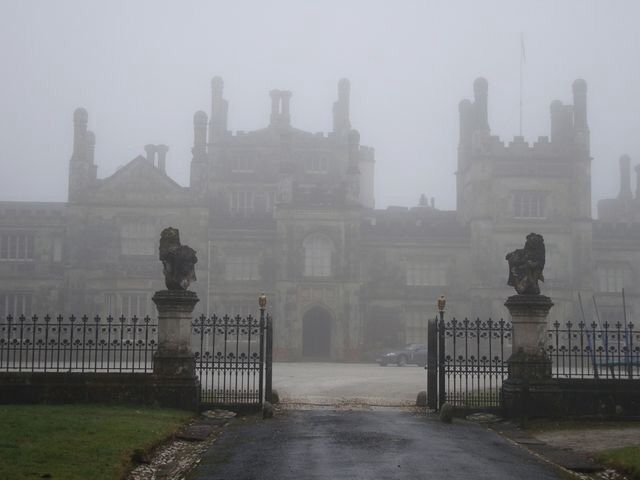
341,121
637,169
80,119
280,115
199,134
625,178
219,110
481,93
151,153
580,105
162,150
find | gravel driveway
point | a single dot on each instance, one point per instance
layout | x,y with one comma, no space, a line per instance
336,383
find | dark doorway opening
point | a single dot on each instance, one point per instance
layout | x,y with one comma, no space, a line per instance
316,334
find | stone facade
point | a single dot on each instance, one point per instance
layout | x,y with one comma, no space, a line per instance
291,213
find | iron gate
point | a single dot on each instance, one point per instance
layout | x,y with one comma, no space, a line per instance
233,360
467,362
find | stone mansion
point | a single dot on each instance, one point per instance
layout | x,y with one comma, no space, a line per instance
291,213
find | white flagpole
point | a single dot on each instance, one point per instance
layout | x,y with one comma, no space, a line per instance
522,60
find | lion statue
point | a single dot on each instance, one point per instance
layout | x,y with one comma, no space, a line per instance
526,265
177,260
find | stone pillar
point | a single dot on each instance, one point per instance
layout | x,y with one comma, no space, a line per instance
174,357
529,391
529,360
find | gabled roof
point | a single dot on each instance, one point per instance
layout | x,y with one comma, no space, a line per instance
138,182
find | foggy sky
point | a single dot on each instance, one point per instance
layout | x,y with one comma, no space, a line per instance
142,68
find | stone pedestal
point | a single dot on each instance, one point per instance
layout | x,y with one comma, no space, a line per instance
174,357
529,383
529,360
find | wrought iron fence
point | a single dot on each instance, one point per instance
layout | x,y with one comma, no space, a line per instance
471,361
229,353
594,351
77,344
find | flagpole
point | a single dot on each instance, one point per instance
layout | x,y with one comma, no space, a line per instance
521,76
521,68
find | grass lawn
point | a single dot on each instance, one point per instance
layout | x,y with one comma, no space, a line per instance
78,441
625,459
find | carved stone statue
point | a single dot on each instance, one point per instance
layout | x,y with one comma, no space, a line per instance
177,260
526,265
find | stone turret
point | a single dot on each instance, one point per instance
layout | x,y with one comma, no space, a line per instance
341,123
219,111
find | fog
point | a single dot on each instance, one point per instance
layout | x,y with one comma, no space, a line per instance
142,69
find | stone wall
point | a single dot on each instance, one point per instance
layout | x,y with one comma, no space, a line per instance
104,388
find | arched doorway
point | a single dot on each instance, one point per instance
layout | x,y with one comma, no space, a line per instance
316,334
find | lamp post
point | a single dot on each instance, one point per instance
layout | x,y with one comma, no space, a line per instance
442,302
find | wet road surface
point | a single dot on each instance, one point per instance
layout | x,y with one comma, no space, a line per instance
389,444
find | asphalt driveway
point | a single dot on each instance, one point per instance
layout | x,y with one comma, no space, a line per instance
389,444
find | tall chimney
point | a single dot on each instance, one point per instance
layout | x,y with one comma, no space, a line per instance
91,149
637,169
625,178
162,157
285,116
199,133
151,153
341,121
219,110
580,105
80,119
275,106
480,93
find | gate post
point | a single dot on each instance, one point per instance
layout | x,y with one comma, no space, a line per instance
268,360
441,387
432,364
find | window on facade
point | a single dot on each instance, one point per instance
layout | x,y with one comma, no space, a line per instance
16,246
241,267
138,239
135,304
426,273
317,256
241,203
242,163
15,304
316,164
415,327
529,204
611,278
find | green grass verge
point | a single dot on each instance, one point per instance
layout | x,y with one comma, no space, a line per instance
625,459
79,441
